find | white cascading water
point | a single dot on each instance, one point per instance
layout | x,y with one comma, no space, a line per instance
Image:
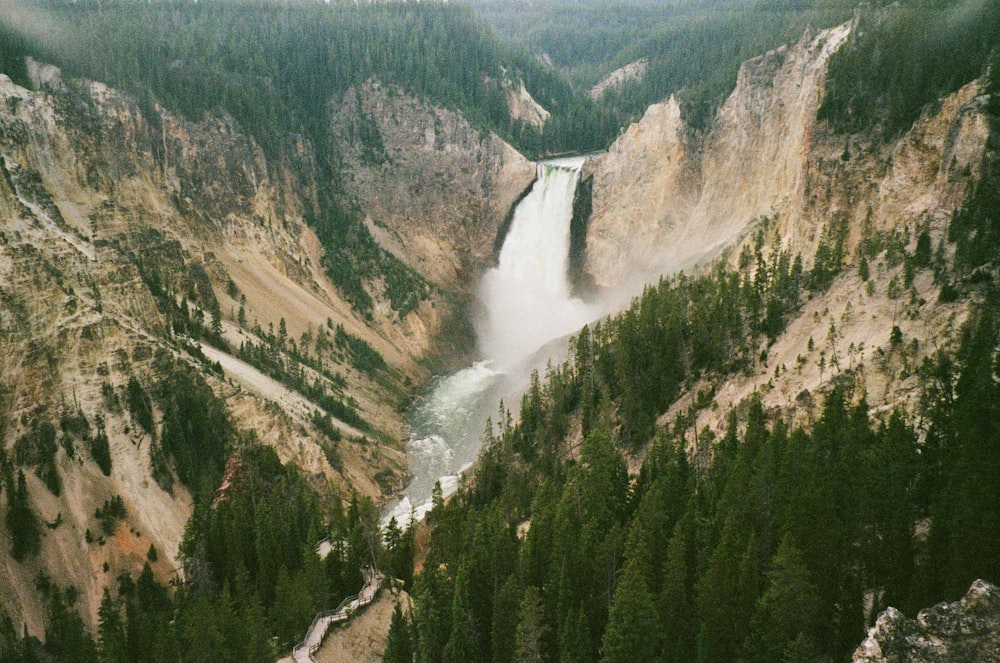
526,302
526,299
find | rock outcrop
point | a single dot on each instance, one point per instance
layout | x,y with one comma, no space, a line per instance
644,187
523,107
633,71
966,630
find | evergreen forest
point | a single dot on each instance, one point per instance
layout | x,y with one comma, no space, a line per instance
251,579
693,49
779,541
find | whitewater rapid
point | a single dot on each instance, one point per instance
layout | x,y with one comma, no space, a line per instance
526,302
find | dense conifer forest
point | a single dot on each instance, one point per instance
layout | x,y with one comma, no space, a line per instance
780,541
252,578
692,49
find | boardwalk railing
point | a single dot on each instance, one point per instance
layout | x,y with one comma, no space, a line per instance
303,652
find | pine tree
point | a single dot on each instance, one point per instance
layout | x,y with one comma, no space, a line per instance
66,637
633,631
787,614
675,601
464,643
399,552
216,311
112,644
965,512
147,608
574,638
433,594
21,521
531,629
293,603
888,513
725,597
398,646
506,605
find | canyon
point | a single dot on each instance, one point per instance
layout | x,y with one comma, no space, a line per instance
87,207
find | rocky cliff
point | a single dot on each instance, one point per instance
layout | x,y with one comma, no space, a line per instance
768,176
433,189
121,222
966,630
668,197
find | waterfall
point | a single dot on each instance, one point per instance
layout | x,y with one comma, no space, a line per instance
526,298
525,302
536,249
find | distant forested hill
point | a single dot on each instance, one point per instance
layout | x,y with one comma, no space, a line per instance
694,48
898,61
274,66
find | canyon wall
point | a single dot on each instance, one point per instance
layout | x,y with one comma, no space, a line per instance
667,197
768,176
433,189
112,213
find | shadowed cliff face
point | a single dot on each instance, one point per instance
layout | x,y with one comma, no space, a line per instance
109,216
666,198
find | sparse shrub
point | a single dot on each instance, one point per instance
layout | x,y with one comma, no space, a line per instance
362,355
896,336
948,294
139,405
162,475
110,396
37,448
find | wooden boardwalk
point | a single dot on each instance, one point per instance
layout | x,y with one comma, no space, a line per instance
303,652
